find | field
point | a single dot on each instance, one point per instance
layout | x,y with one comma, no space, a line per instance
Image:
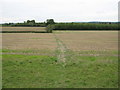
62,59
23,29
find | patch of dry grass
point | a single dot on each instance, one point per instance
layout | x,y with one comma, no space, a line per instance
23,28
76,41
31,41
95,40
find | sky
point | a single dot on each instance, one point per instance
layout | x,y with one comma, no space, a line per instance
59,10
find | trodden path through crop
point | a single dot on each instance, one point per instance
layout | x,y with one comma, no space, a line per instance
61,50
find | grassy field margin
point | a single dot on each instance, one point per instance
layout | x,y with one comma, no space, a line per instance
33,71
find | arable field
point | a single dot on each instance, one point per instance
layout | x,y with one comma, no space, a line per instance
80,59
89,40
22,28
31,41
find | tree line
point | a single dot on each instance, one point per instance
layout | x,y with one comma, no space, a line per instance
51,25
30,23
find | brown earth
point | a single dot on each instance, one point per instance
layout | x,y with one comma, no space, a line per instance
23,28
28,41
76,41
89,40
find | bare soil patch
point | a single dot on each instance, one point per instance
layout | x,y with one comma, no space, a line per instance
23,28
31,41
96,40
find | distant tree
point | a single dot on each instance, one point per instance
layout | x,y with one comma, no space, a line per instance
31,22
28,21
50,21
11,23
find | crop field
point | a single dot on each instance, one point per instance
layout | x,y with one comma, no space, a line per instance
62,59
22,28
90,40
31,41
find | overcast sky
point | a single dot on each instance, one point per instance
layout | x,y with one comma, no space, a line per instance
59,10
